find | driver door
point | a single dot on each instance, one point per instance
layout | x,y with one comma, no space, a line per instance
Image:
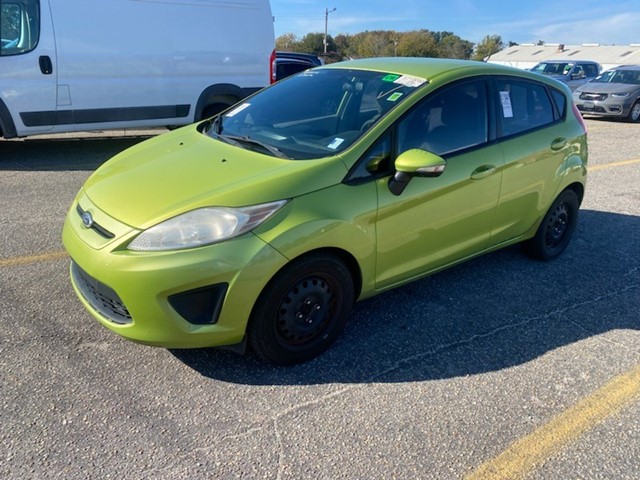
438,221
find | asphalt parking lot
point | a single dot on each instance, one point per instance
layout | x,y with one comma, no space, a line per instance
503,367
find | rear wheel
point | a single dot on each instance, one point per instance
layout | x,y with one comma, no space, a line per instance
557,227
302,311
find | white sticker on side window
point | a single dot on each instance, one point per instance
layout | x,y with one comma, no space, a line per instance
237,110
505,100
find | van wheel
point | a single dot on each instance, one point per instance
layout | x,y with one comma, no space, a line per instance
557,227
634,113
302,311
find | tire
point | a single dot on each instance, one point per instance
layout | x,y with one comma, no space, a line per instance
302,311
634,113
557,227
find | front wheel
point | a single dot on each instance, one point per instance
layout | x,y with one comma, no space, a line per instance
557,227
302,311
634,113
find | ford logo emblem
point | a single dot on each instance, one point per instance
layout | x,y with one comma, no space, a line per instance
87,219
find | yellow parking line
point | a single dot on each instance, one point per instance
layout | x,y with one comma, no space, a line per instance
523,456
614,164
10,262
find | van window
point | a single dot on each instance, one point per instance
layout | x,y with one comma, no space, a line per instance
19,26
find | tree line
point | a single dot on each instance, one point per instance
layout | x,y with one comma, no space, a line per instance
389,43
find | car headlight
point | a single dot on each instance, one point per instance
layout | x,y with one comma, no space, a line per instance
620,95
203,227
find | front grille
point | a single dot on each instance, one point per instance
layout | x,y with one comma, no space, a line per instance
100,230
100,297
594,97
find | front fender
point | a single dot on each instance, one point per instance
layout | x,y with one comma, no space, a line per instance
340,217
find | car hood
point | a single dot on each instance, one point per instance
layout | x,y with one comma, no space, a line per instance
184,170
597,87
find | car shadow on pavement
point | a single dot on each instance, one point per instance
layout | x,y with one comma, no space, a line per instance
62,154
488,314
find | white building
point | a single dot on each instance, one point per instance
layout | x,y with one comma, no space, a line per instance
527,55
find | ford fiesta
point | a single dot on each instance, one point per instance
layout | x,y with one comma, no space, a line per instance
262,226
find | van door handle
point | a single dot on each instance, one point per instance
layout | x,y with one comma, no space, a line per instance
558,143
46,66
482,172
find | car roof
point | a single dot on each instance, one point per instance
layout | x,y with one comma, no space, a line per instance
433,68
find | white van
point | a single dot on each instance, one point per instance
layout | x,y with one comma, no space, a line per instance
76,65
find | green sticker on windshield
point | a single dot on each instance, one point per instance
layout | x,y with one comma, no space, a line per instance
390,78
394,96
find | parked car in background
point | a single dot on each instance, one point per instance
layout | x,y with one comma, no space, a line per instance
615,93
288,63
263,225
574,73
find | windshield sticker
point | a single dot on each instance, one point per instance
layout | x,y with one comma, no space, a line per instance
394,96
390,78
507,109
237,110
410,81
336,143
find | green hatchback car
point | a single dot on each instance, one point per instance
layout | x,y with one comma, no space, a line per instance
262,226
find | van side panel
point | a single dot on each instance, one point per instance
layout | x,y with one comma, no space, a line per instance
144,63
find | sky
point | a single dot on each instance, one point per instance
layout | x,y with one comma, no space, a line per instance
572,22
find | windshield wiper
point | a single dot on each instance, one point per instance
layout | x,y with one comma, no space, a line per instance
238,140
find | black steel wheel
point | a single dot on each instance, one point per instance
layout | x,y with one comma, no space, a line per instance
557,227
302,311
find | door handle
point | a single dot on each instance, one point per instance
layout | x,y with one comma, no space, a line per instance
46,67
558,143
482,172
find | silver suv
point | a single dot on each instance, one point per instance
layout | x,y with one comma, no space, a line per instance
615,93
572,72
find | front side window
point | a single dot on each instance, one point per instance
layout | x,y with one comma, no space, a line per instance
591,70
19,26
447,121
522,106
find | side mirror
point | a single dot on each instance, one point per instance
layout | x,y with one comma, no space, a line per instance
415,163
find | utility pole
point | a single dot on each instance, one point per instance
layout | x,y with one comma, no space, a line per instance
326,23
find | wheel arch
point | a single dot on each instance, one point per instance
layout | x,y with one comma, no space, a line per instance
216,98
7,127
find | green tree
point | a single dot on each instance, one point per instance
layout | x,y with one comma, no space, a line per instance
452,46
314,43
488,46
287,42
417,43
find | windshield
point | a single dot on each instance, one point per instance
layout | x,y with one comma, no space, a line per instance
619,76
313,114
555,68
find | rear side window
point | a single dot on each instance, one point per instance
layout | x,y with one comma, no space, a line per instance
19,26
522,106
561,102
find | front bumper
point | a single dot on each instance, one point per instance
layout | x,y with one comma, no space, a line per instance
605,108
200,297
